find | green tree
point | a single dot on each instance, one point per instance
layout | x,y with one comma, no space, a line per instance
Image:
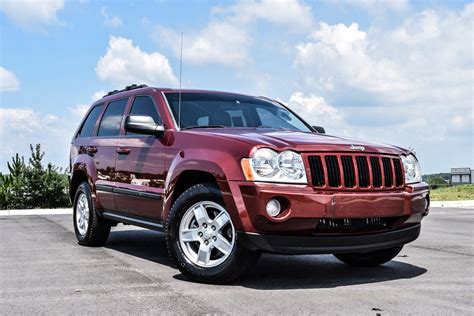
15,183
35,179
32,185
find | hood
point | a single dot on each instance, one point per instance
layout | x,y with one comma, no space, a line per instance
301,141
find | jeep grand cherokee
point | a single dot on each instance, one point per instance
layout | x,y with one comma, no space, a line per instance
228,176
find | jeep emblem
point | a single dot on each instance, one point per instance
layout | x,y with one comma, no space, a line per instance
357,147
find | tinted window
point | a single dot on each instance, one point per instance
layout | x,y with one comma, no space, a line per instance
110,124
229,110
88,127
144,105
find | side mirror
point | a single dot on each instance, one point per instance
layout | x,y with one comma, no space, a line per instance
142,124
319,129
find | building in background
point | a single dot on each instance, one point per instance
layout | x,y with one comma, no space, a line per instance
462,176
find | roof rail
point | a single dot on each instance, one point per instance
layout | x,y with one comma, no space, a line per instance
127,88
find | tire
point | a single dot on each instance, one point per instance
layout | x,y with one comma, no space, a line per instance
220,266
94,230
369,259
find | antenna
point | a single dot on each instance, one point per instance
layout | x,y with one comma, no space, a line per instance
180,76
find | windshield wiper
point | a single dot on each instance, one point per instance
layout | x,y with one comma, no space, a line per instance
204,126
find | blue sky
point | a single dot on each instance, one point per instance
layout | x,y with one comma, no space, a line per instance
397,72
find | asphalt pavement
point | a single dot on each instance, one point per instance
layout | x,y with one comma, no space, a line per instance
43,270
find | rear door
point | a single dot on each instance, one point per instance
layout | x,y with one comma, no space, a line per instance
103,149
140,166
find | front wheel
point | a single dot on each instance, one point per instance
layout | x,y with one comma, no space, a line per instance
369,259
202,240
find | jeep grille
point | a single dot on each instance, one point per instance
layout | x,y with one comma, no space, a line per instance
355,171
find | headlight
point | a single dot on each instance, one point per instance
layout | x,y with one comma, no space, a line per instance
412,169
270,166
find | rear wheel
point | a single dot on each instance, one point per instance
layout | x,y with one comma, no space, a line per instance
202,240
90,229
369,259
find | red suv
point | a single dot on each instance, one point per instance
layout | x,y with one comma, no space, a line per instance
227,176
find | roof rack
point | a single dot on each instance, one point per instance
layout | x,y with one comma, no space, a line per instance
127,88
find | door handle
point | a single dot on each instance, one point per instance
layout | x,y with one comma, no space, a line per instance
123,151
91,150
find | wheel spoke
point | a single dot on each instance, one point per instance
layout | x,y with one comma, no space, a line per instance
204,253
221,220
200,213
189,235
222,245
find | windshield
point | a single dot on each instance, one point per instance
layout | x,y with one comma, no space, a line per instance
230,110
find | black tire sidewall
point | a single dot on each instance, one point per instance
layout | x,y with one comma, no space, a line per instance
83,188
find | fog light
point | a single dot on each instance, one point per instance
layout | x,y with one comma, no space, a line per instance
273,207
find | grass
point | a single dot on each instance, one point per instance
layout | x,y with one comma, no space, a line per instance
454,193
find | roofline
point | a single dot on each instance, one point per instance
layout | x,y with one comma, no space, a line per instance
118,94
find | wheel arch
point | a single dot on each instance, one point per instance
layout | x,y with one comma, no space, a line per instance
80,173
186,173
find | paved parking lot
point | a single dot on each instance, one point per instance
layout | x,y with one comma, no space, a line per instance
43,270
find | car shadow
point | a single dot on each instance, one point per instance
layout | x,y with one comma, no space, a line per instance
273,271
142,243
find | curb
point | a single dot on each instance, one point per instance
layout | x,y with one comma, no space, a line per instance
464,203
53,211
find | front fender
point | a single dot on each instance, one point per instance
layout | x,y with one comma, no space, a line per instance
223,167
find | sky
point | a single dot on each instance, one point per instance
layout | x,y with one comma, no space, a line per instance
396,72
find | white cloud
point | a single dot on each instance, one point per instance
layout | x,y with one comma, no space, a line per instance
20,127
8,81
227,39
98,95
375,5
80,109
110,20
428,58
316,111
292,14
342,54
125,63
219,42
32,14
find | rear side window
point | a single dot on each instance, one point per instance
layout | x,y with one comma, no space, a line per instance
110,124
143,105
87,129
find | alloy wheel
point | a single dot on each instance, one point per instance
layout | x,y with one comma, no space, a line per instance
206,234
82,214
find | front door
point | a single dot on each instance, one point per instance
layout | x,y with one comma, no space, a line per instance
140,167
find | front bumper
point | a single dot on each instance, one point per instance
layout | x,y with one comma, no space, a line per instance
304,206
328,244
